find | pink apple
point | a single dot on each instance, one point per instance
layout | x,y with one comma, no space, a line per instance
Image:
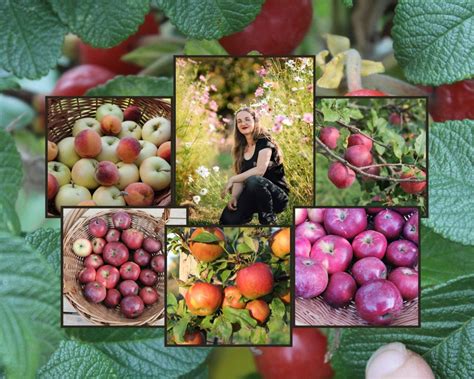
311,278
389,223
367,269
302,247
333,252
369,243
410,229
112,299
133,238
316,215
98,227
121,220
87,275
115,253
113,235
309,230
93,260
340,290
329,136
98,245
406,280
108,276
345,222
128,288
301,214
402,253
130,271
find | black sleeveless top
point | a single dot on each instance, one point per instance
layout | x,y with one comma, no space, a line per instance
275,172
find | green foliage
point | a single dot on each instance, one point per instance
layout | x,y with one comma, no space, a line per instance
430,40
447,331
451,180
203,47
11,172
48,243
16,114
102,23
210,19
134,86
8,82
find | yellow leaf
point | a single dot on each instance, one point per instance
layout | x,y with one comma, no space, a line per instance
337,44
321,59
371,67
333,73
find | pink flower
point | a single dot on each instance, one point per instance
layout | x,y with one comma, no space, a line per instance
259,92
262,72
213,106
277,127
205,98
279,119
213,88
226,120
202,78
308,118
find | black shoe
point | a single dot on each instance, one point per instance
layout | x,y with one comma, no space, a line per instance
267,218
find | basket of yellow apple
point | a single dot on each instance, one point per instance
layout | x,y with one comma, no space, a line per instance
108,152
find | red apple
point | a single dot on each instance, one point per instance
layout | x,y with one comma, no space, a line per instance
149,295
130,271
132,113
164,151
340,290
94,261
115,253
333,252
369,243
329,137
259,310
158,263
410,230
193,338
87,275
121,220
141,257
112,299
94,292
148,277
340,175
413,187
53,186
389,223
98,227
128,288
151,245
406,280
98,245
133,238
309,230
311,278
203,299
301,214
113,235
255,280
367,269
358,155
233,298
108,276
203,251
132,306
402,253
302,247
316,215
345,222
359,139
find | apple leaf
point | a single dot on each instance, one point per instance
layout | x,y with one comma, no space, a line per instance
117,352
444,339
206,237
451,180
48,243
11,169
203,47
210,19
431,40
9,221
32,37
134,86
438,253
9,82
16,113
103,23
29,308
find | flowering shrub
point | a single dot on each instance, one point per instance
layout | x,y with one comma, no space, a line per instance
208,92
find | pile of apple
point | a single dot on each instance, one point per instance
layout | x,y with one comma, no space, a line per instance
359,154
252,283
350,253
121,265
110,160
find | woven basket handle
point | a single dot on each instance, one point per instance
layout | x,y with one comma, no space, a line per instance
73,216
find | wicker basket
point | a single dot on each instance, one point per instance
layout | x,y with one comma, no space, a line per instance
63,113
75,226
316,312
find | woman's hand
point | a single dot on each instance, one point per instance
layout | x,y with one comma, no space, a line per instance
232,204
228,188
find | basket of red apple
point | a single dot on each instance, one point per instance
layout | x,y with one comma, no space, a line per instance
113,266
356,266
108,152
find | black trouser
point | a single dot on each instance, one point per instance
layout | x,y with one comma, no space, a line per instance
261,196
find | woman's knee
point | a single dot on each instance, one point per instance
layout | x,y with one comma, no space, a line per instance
253,183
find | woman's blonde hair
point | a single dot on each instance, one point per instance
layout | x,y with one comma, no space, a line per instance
240,142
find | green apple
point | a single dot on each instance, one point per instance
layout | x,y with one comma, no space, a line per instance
109,149
107,196
66,152
157,130
71,195
82,247
60,171
148,150
130,129
108,108
128,173
155,172
86,123
83,173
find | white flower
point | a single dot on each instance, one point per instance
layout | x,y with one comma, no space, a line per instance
190,179
294,89
203,171
215,169
188,145
287,122
212,128
298,79
197,199
293,101
203,191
